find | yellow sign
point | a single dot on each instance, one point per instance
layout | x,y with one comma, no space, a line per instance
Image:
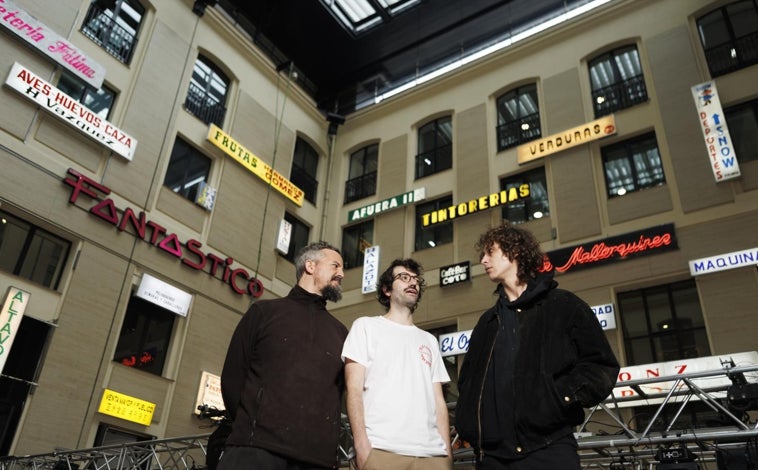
579,135
505,196
248,159
126,407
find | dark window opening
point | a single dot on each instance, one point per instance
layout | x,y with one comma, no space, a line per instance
437,233
145,336
113,25
188,170
361,180
435,147
518,117
617,81
355,240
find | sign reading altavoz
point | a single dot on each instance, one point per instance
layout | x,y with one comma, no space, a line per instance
70,111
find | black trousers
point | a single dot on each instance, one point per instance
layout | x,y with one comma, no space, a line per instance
560,455
254,458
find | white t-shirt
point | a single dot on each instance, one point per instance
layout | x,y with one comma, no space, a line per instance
402,362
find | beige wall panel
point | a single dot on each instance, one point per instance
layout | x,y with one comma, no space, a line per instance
148,114
69,376
237,217
728,300
639,204
471,156
576,208
389,236
209,331
430,258
354,278
285,271
69,141
181,209
542,229
710,238
562,104
368,306
138,384
58,15
467,232
748,179
674,71
392,167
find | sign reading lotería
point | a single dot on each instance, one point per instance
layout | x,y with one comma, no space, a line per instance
500,198
70,111
248,159
579,135
618,248
388,204
126,407
14,306
718,143
733,260
23,25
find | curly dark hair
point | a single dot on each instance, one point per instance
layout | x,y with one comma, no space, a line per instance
386,280
517,244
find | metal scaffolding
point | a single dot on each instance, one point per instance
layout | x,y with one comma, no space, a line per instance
627,449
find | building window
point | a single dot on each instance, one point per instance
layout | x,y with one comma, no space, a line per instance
98,101
742,121
30,252
729,36
304,168
536,206
206,96
113,25
355,240
298,237
437,233
632,165
663,323
518,117
361,181
617,81
187,171
435,147
145,336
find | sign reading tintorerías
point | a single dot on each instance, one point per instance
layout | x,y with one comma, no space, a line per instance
718,143
70,111
50,43
14,306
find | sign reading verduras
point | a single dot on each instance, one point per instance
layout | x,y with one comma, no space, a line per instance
126,407
248,159
578,135
718,143
42,38
70,111
14,306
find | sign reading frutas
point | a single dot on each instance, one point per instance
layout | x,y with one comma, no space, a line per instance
14,306
126,407
718,143
50,43
579,135
248,159
70,111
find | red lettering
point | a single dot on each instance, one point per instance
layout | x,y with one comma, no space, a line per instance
193,246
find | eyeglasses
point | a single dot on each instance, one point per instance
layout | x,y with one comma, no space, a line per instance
408,277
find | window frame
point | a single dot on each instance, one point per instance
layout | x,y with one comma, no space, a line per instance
189,185
529,205
305,162
113,32
297,241
201,101
363,185
86,95
438,234
728,55
625,150
618,93
353,256
439,155
745,142
510,132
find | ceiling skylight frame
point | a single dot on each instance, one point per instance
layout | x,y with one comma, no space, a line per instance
359,16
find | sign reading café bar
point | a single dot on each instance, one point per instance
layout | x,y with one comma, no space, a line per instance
70,111
619,248
247,159
45,40
579,135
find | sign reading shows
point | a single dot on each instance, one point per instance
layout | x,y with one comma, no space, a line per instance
14,306
70,111
253,164
718,143
50,43
126,407
579,135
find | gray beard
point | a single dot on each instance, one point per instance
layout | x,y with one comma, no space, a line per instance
332,293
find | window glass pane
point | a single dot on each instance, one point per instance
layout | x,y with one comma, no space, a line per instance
304,168
435,149
355,240
742,121
99,102
145,336
298,238
633,318
13,236
533,207
744,18
518,117
113,24
206,95
438,233
632,165
617,81
187,170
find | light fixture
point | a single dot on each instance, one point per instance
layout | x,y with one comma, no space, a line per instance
621,191
538,214
525,126
432,244
600,99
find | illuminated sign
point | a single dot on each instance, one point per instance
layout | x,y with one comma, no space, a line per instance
370,269
71,111
618,248
126,407
14,306
475,205
579,135
718,143
190,252
733,260
164,295
455,274
253,164
388,204
50,43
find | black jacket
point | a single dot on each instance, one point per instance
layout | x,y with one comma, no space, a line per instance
282,381
561,363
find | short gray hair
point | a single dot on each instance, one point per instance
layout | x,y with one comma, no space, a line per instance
311,252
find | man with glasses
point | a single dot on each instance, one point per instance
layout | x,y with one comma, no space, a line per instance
394,374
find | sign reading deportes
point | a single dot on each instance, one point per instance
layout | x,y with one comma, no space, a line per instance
190,252
70,111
